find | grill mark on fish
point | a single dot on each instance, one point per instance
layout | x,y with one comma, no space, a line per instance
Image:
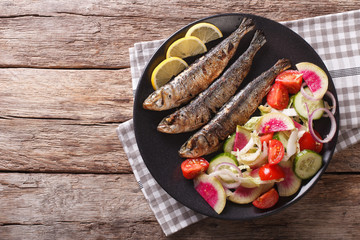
236,112
230,47
200,110
199,75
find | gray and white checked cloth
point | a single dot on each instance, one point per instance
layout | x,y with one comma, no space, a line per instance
335,37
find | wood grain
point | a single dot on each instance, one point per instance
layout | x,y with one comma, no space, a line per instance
87,206
86,96
53,145
90,34
30,145
65,85
33,145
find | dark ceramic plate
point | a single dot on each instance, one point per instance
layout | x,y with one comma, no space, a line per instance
160,151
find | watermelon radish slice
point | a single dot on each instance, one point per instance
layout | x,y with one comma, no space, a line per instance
291,183
243,195
274,122
242,137
315,78
250,184
212,191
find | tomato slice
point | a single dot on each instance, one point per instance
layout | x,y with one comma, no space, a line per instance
291,79
308,142
271,172
267,200
266,138
318,146
192,167
276,151
278,96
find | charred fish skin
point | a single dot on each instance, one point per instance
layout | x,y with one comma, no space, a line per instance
200,110
236,112
199,75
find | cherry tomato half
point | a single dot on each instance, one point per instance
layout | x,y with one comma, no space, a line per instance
278,96
271,172
267,200
291,79
276,151
308,142
266,138
194,166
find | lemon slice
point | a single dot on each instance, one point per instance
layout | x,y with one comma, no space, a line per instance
186,47
206,32
166,70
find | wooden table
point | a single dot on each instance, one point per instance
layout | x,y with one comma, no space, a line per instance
66,85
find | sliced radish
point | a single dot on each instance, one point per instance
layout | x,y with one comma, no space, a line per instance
249,179
242,137
315,78
212,191
274,122
291,183
243,195
266,187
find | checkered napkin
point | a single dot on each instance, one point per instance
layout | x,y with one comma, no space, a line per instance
335,39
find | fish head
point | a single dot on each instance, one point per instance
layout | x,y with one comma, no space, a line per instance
194,147
154,101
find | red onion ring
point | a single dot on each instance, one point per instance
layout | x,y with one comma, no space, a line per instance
333,101
307,96
332,129
230,185
229,165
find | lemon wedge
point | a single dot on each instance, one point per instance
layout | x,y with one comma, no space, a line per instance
186,47
166,70
206,32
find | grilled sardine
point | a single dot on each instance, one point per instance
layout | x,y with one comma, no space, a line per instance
200,110
193,80
236,112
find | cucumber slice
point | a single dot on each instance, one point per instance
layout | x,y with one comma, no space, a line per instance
281,136
229,143
299,105
307,163
220,158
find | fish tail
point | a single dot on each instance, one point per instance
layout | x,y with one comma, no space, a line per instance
247,23
245,26
258,39
282,64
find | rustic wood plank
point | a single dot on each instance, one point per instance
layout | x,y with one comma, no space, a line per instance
347,160
89,96
86,206
47,145
97,34
60,146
